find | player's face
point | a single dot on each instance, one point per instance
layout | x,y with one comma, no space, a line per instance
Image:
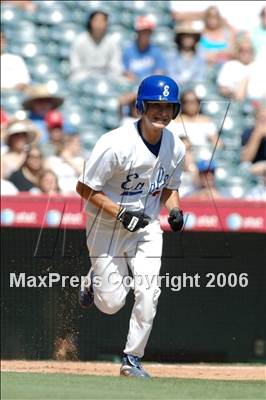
159,115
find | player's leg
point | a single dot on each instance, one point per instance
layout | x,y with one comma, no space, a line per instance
109,291
145,266
109,266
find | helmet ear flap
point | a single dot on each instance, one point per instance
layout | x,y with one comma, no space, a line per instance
141,106
177,108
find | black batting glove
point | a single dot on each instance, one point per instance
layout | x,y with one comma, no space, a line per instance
175,219
133,220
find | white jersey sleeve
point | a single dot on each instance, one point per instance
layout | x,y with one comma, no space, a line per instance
101,165
175,177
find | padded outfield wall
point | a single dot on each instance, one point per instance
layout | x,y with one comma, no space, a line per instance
215,324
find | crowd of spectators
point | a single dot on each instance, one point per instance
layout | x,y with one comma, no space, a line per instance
42,151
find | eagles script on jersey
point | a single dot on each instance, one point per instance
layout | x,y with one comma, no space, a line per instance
123,167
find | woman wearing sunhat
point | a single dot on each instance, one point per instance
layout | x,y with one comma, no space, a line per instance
38,102
18,135
186,64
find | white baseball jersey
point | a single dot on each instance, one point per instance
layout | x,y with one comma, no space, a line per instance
123,167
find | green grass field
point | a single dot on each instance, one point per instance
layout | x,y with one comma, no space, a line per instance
35,386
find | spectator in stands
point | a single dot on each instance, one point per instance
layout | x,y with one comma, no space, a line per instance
27,177
254,144
253,86
68,164
95,51
14,71
127,107
199,128
190,171
187,65
19,134
234,71
7,188
217,40
141,58
39,101
258,35
55,127
206,188
48,182
194,11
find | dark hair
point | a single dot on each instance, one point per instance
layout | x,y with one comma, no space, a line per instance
185,92
180,35
92,15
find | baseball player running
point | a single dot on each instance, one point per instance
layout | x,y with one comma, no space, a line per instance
132,171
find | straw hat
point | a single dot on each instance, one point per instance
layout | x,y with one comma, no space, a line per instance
188,27
22,126
41,92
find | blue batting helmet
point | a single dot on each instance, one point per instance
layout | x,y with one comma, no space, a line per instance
158,88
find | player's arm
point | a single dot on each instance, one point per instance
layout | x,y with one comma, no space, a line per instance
170,199
98,199
131,220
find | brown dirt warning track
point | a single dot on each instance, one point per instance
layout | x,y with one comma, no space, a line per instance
189,371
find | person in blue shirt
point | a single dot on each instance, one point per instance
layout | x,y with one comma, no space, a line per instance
186,64
141,58
38,102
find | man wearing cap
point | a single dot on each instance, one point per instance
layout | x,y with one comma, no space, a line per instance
141,58
18,135
39,101
206,181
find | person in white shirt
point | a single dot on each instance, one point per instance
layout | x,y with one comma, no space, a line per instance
132,172
67,164
234,71
253,86
95,51
14,71
199,128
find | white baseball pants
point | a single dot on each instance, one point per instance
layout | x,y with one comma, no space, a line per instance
113,250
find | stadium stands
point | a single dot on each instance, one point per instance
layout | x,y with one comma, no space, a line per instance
43,38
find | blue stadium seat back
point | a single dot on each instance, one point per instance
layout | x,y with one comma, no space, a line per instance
10,15
54,16
236,187
212,73
123,35
90,133
213,107
164,37
27,49
111,120
204,90
127,19
64,68
22,31
42,65
90,6
66,32
80,116
11,100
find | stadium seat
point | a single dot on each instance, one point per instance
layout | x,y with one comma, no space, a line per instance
10,15
11,100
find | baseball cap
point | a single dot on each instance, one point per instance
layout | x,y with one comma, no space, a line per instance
54,119
145,22
206,165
